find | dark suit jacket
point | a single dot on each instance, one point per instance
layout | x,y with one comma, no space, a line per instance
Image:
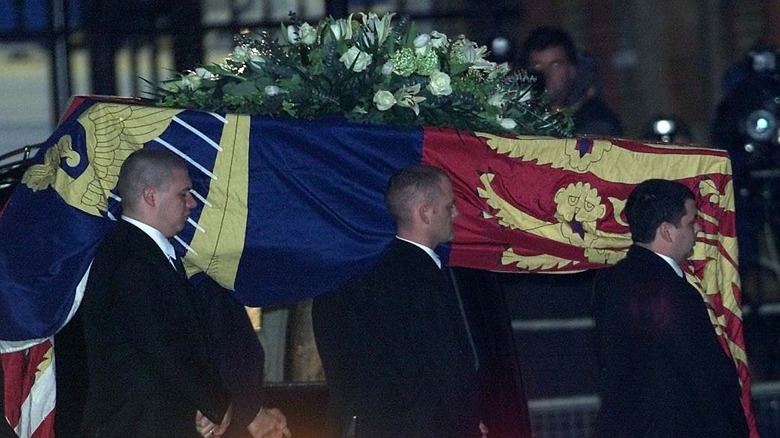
663,372
396,353
146,350
235,348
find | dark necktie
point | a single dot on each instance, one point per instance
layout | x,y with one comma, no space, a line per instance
453,288
179,266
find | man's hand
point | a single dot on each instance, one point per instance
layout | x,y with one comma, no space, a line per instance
269,423
208,429
483,430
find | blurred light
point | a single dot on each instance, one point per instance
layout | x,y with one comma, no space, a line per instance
663,127
761,125
500,47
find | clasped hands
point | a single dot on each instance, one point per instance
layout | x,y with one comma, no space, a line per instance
268,423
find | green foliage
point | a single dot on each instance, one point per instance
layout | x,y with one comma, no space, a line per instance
370,71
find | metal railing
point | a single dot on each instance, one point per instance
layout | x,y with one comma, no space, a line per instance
575,417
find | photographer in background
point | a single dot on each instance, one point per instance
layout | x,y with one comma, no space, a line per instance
747,125
570,79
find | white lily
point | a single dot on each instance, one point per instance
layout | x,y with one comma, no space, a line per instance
407,97
342,28
378,29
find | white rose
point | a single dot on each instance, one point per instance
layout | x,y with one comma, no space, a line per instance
422,41
439,40
355,59
384,100
271,90
302,35
439,84
507,123
307,34
241,54
422,44
387,68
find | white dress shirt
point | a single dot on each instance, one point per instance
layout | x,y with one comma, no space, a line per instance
165,245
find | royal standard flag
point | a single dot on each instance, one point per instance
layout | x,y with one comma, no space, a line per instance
290,209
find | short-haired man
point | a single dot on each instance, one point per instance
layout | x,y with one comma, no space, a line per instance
570,80
149,369
663,372
395,343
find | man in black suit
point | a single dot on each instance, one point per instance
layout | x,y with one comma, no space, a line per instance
149,368
395,344
663,372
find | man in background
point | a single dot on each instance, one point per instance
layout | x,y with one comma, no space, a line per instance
570,80
663,372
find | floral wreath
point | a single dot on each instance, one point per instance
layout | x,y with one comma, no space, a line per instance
369,71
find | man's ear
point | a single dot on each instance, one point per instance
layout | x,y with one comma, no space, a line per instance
148,194
423,212
664,231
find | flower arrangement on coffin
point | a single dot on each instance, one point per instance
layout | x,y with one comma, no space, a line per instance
370,70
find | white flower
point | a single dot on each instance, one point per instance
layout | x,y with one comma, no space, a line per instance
205,74
377,29
292,34
241,54
439,84
467,51
355,59
507,123
307,34
194,79
496,100
422,43
191,81
302,35
272,90
407,97
342,28
495,71
387,68
439,40
384,100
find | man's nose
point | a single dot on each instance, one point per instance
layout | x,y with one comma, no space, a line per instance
191,202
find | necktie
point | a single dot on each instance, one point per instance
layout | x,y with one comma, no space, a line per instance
178,265
453,288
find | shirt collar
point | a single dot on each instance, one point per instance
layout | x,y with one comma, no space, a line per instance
427,250
165,245
673,264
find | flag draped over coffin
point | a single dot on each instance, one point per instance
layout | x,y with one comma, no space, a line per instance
290,209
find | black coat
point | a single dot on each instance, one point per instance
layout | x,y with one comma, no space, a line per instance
396,352
146,348
663,372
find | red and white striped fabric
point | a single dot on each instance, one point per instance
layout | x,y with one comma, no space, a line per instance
30,390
